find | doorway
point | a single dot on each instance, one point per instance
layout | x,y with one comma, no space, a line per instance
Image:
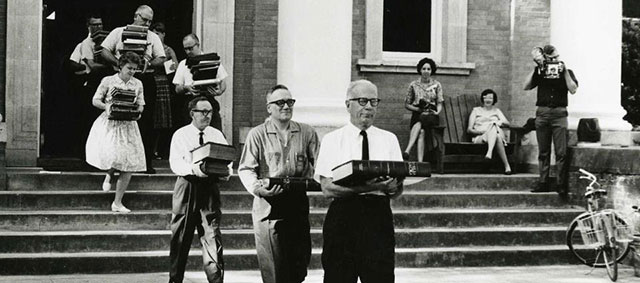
64,26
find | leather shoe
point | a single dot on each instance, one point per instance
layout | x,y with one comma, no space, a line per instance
150,170
121,209
542,188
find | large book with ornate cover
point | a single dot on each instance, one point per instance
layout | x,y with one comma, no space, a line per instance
294,183
215,158
357,172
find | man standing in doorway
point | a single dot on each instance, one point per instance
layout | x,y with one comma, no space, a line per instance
153,59
280,147
358,231
184,79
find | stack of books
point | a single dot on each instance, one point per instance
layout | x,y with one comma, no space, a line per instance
358,172
134,39
215,158
98,37
204,68
123,105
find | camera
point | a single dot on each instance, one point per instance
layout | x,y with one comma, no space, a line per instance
551,69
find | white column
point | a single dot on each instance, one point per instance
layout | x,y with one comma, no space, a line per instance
314,58
588,36
214,20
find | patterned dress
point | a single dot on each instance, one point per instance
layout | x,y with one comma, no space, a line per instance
424,96
114,143
162,114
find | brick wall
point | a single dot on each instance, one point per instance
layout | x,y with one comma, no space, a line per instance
532,28
501,62
255,60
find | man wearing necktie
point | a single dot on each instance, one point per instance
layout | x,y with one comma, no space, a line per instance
358,237
280,147
196,198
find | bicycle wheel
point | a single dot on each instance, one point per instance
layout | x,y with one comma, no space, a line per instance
609,252
590,255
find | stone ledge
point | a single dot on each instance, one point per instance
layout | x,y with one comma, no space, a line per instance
409,67
606,159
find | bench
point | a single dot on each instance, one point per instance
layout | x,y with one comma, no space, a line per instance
458,148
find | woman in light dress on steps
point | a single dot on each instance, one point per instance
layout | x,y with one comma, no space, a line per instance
116,145
485,122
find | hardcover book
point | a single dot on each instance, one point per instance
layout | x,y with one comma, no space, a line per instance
215,167
357,172
194,60
212,150
294,183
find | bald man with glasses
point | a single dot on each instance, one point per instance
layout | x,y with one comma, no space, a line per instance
358,236
154,56
280,147
183,80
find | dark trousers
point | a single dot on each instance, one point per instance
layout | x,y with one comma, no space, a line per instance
359,240
145,123
551,125
196,205
282,234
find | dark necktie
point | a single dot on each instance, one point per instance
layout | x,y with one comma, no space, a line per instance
201,140
365,145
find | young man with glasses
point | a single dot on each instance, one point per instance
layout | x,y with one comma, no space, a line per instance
196,197
183,80
280,147
358,236
153,59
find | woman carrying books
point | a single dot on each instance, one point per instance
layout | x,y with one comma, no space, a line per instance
116,145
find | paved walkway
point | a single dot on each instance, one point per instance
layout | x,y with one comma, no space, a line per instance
521,274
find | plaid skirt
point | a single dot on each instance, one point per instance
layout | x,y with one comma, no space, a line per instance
162,113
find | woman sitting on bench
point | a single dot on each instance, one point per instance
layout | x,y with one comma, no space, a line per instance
424,99
485,122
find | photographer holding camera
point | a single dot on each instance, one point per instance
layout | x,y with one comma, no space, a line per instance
553,80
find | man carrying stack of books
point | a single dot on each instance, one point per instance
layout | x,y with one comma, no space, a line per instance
137,38
280,148
200,74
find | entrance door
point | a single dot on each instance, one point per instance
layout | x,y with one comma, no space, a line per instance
62,134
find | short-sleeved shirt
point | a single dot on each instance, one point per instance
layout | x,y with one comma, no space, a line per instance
345,144
184,77
186,139
551,92
424,94
104,89
265,155
113,43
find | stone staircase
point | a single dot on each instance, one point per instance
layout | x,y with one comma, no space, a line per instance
59,223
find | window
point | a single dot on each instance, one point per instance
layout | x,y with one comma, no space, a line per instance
407,26
400,32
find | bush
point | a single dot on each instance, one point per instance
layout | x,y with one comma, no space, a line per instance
630,89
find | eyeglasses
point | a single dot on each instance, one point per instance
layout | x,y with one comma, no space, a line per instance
144,19
203,112
363,101
189,48
281,102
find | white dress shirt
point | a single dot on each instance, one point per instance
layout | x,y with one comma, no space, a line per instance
186,139
184,76
345,144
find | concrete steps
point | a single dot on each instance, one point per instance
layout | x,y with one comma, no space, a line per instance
145,240
60,222
238,200
157,261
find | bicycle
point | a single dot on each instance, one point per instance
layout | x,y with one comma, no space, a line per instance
599,237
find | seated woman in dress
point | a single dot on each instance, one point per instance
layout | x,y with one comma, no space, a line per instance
424,99
485,122
116,145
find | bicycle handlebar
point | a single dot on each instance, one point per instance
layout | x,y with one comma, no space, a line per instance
588,176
